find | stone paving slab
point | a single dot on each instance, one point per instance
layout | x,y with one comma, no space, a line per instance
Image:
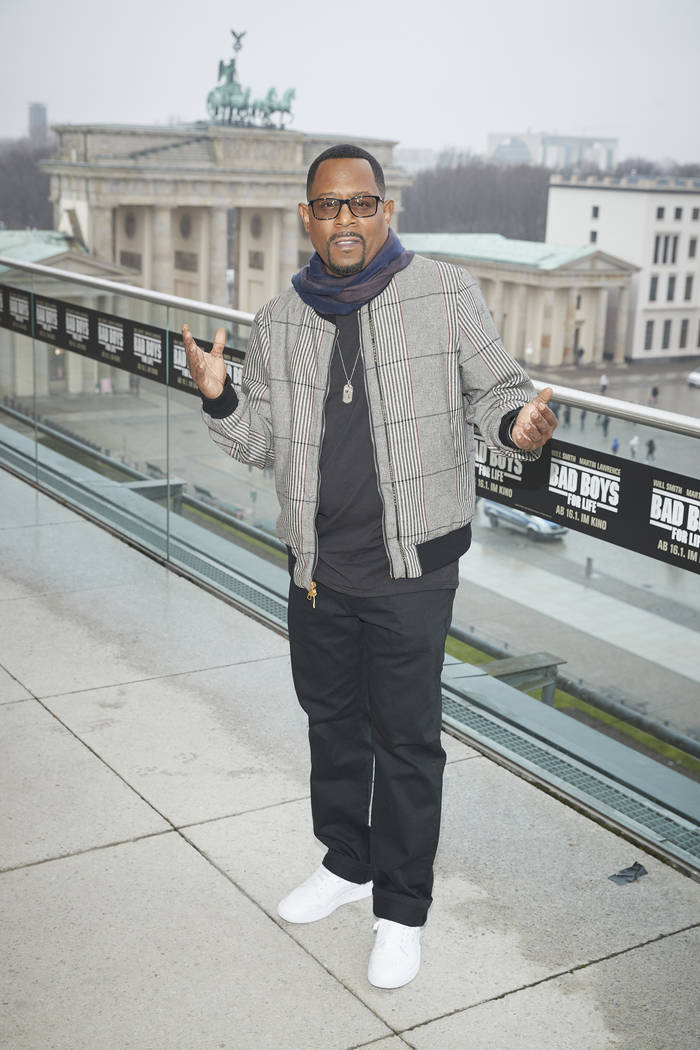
521,893
119,634
57,798
636,1001
200,746
147,946
10,689
70,556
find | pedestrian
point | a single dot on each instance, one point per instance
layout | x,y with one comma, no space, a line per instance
651,450
615,446
605,424
583,419
566,416
603,383
579,356
371,437
654,396
634,445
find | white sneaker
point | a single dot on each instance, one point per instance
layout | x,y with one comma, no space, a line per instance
320,895
395,958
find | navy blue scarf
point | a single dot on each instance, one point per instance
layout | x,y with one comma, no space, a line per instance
328,294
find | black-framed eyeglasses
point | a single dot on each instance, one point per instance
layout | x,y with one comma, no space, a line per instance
362,206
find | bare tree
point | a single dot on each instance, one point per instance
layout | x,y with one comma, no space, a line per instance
24,187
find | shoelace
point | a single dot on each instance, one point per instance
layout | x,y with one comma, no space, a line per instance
398,934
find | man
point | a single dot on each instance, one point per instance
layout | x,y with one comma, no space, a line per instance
361,385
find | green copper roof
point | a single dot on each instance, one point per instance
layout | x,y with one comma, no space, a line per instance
493,247
34,245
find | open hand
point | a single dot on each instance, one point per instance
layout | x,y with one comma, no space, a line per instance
535,423
207,370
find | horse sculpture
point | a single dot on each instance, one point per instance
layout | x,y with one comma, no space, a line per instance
229,103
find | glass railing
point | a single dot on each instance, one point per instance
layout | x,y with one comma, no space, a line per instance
573,655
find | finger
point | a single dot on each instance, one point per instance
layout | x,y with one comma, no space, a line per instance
217,348
545,395
188,339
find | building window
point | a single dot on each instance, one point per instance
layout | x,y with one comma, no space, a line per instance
130,259
578,302
666,338
688,291
678,213
186,261
659,213
683,341
594,236
696,214
657,246
674,252
666,240
653,285
698,335
256,260
671,288
595,211
649,335
692,247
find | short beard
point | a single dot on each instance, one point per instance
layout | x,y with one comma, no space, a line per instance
346,270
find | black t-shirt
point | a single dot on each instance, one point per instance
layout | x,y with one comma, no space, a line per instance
352,555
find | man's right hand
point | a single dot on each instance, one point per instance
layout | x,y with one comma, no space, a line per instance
207,370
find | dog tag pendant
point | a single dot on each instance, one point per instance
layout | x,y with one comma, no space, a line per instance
347,393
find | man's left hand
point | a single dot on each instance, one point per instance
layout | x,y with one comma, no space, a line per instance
535,423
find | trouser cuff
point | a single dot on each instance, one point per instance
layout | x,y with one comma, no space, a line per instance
406,910
347,867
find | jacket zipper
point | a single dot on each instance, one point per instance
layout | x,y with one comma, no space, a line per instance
392,475
313,591
374,450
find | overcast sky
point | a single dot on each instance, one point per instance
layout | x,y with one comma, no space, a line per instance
424,72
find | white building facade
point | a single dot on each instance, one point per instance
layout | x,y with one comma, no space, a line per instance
654,222
552,306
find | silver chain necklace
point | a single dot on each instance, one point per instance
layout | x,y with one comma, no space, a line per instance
348,388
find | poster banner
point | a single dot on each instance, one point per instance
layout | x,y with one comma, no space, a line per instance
47,319
179,375
633,505
16,310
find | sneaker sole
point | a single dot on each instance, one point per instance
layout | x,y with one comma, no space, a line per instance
363,890
401,984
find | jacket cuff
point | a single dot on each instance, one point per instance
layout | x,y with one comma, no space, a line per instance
223,405
506,427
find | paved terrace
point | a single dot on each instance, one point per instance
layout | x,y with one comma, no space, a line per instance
154,797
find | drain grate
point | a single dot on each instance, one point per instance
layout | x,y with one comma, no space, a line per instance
601,793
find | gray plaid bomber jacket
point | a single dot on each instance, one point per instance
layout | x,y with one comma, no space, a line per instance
434,366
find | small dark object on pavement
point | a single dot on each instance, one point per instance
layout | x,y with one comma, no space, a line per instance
630,874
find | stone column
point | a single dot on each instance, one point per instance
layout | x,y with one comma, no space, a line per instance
22,351
289,238
569,326
101,235
148,249
600,318
546,334
623,306
162,255
74,373
204,251
218,234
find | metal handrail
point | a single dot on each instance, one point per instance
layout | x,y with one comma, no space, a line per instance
653,417
116,287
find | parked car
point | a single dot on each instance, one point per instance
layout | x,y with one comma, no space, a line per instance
519,520
694,378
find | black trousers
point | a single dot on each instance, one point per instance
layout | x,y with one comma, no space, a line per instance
367,674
